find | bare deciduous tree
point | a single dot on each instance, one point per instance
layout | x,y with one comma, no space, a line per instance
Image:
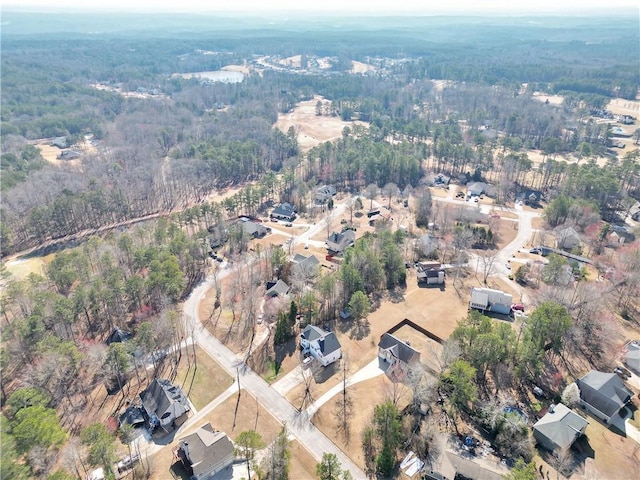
344,406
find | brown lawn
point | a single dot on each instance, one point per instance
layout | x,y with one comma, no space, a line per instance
204,382
506,231
432,308
365,395
303,465
250,416
615,457
620,106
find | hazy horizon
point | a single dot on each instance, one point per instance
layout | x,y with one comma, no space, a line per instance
327,7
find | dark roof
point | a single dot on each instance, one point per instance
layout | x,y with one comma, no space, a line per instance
118,335
204,449
340,238
327,340
162,397
561,426
132,415
278,288
284,210
604,391
529,194
398,348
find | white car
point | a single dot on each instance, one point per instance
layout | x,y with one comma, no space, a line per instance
260,318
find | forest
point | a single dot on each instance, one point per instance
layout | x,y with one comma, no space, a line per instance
451,95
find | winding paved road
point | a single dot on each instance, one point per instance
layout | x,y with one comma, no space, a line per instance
304,431
272,397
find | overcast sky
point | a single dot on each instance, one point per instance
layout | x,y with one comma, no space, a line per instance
328,6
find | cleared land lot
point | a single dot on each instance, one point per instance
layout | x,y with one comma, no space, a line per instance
311,128
365,396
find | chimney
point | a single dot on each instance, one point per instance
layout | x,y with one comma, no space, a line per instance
185,449
551,408
321,344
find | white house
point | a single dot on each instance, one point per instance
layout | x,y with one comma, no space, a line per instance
321,345
490,300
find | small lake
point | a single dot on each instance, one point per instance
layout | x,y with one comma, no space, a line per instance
215,76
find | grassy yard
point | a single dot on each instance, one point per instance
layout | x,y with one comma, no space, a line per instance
204,383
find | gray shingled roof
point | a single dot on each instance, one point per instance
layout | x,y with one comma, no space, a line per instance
278,288
118,335
327,340
162,397
632,359
398,348
604,391
206,448
560,426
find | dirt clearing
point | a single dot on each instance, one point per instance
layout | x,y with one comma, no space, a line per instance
310,128
620,106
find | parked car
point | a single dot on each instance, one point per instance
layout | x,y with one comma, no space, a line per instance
460,195
289,224
127,462
623,373
260,318
517,306
536,251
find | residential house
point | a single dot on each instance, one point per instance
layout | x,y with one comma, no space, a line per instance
60,142
324,193
475,189
626,119
559,428
429,273
441,179
118,336
165,405
320,344
306,267
254,229
603,394
398,355
490,300
567,238
619,236
529,197
338,242
205,452
632,358
69,155
277,289
284,211
133,415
